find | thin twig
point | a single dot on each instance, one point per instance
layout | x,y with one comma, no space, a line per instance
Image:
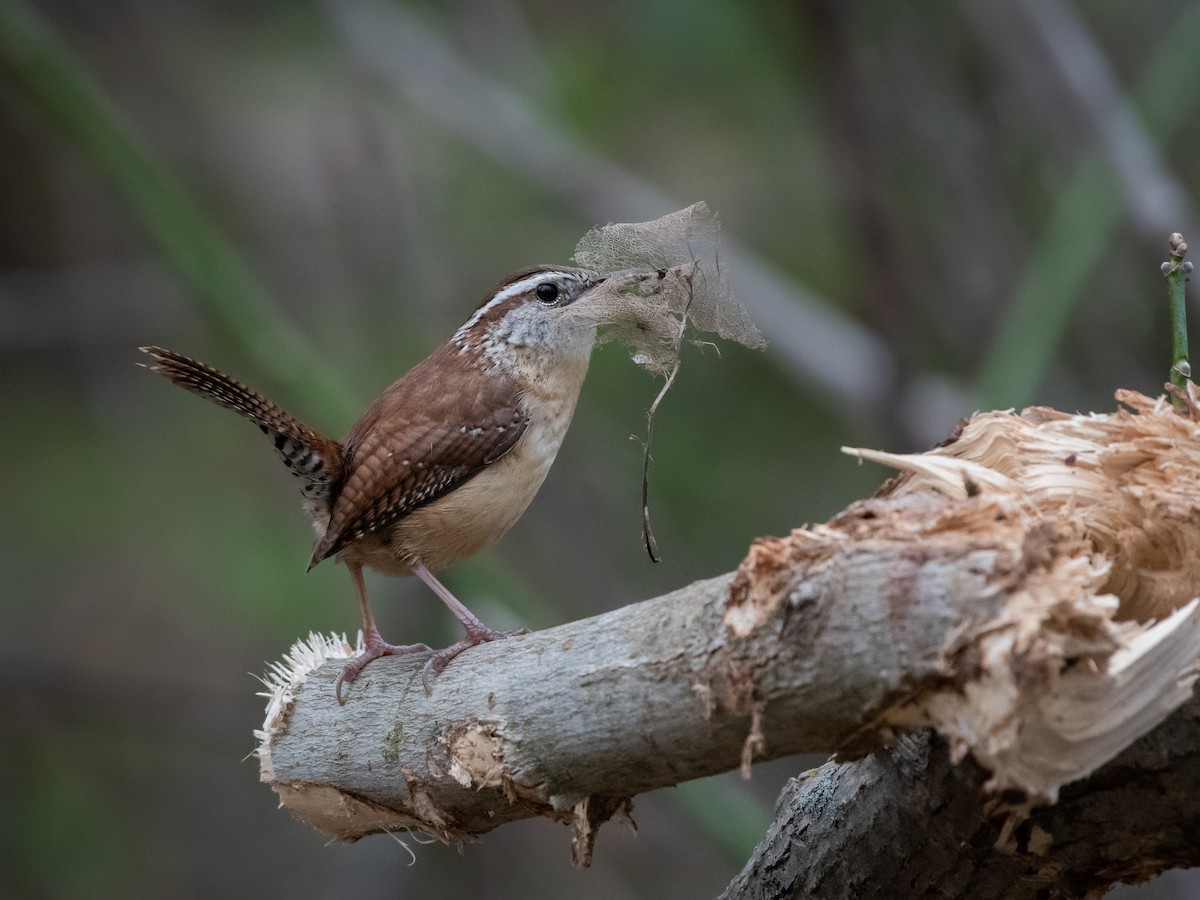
1176,269
647,532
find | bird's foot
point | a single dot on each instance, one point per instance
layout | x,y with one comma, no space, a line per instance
376,647
475,635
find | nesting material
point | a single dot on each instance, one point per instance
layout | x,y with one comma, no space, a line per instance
1099,639
663,277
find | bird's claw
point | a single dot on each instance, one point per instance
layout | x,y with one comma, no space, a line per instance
437,662
374,650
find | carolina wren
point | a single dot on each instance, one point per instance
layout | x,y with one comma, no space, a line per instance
446,460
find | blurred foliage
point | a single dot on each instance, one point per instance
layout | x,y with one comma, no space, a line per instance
972,183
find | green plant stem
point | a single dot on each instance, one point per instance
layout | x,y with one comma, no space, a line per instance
209,266
1176,269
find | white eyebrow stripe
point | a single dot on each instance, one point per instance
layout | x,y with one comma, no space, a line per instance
512,290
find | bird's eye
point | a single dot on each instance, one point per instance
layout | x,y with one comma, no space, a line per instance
547,292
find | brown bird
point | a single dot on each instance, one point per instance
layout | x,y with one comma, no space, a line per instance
446,460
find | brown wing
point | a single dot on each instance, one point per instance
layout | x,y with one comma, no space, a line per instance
421,439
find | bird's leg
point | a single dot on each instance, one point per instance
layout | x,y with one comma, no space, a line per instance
477,632
376,646
468,619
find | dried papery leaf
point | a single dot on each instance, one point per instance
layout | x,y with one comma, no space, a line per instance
662,276
691,233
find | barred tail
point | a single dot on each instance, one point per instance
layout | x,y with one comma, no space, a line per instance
312,457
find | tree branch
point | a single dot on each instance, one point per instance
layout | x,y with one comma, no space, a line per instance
1026,590
911,823
599,710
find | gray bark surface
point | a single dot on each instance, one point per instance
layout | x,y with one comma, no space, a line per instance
910,823
643,697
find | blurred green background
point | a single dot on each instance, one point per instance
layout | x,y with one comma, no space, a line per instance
929,209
